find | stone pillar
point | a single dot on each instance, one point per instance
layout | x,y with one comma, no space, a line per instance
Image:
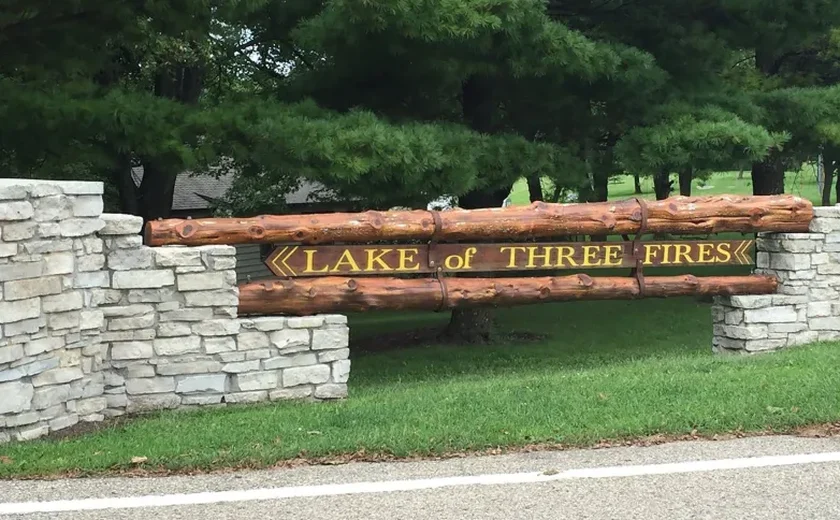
807,306
50,258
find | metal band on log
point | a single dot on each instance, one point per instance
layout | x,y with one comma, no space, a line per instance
679,215
342,294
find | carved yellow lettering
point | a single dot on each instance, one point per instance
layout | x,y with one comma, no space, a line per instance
611,255
468,256
724,252
651,250
589,254
666,254
310,262
374,258
454,262
346,258
705,255
683,251
513,250
565,253
405,257
533,257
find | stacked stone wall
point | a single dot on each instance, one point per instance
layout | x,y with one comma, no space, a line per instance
94,324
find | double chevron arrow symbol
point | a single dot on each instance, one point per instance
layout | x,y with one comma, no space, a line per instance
742,252
279,260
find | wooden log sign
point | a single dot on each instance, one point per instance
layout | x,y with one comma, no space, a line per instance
298,260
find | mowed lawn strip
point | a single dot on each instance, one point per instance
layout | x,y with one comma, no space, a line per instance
605,370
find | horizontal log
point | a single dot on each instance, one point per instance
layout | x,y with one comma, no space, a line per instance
689,215
341,294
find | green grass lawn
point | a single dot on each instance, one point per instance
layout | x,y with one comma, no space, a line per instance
802,183
604,370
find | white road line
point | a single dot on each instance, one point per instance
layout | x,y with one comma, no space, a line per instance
215,497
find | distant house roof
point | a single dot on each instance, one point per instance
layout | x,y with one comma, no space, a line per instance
197,191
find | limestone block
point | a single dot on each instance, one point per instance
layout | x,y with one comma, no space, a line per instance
298,392
164,294
824,225
341,371
177,345
57,376
124,242
315,374
22,270
305,322
79,227
290,338
335,319
118,224
761,345
331,391
32,288
17,397
31,433
68,301
91,405
132,323
47,344
832,323
186,315
192,367
116,400
177,256
204,281
205,383
803,338
7,250
30,326
91,319
201,400
246,397
17,210
92,279
242,366
52,208
221,297
214,345
64,320
328,356
781,314
329,339
61,423
87,206
145,403
265,323
35,247
139,370
150,279
131,350
173,328
48,396
20,231
252,340
260,353
219,327
249,382
149,385
130,259
295,360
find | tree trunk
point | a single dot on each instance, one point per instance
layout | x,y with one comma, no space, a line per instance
831,167
602,190
535,190
478,108
686,176
662,185
122,179
768,176
637,184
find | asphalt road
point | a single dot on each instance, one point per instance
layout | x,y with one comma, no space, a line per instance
795,478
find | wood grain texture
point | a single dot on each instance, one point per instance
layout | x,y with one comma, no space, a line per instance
688,215
342,294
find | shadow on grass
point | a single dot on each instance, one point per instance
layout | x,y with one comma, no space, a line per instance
577,335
